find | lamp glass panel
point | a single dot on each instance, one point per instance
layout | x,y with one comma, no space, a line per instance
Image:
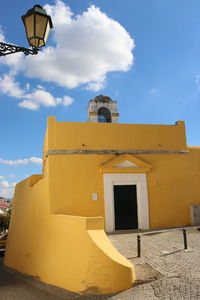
47,32
41,43
36,42
40,25
33,42
29,24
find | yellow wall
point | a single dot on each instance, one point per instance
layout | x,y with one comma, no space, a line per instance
173,185
67,251
99,136
72,180
172,181
56,232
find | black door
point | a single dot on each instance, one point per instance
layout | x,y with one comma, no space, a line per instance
125,201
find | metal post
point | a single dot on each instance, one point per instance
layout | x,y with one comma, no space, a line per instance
185,239
138,246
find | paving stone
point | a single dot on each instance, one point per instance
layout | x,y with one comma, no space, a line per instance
164,251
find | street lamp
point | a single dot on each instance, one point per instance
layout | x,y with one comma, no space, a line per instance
37,25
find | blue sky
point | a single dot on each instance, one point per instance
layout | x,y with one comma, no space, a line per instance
143,53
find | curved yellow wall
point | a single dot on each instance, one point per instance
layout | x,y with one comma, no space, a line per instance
67,251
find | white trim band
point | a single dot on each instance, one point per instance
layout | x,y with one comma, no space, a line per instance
61,152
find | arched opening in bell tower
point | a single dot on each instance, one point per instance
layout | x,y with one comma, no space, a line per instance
104,115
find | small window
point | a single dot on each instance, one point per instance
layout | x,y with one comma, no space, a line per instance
104,115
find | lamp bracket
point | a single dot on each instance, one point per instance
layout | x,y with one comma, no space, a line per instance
6,49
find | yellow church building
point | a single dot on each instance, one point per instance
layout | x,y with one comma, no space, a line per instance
100,175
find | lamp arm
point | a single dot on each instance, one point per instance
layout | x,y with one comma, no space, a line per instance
6,49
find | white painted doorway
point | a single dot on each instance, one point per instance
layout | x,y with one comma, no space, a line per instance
139,180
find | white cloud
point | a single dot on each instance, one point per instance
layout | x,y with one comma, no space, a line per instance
197,79
15,62
9,86
40,97
11,175
27,86
96,86
62,13
87,47
32,100
35,160
40,87
153,91
7,189
2,37
1,177
29,105
25,161
4,184
67,100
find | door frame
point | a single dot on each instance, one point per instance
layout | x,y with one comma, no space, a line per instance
131,213
142,198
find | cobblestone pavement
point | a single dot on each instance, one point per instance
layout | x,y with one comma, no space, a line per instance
163,251
165,270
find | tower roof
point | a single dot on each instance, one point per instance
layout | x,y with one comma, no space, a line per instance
102,99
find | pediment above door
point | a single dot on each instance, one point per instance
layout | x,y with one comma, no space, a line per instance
125,163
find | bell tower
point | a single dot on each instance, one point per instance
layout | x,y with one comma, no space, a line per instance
102,109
